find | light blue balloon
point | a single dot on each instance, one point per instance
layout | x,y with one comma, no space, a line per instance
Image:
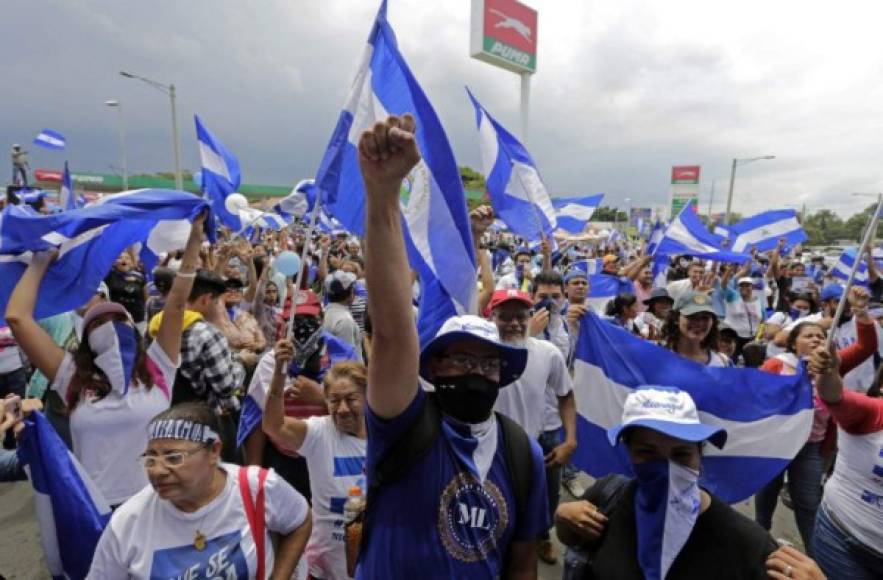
288,263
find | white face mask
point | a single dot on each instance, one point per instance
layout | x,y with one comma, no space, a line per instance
116,348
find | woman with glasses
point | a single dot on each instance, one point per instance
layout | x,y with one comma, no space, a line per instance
334,446
199,517
113,384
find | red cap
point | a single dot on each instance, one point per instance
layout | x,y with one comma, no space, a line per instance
308,303
501,296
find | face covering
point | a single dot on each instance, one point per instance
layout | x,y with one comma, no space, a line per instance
798,313
667,504
115,346
308,346
467,398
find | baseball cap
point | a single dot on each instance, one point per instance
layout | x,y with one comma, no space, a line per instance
667,410
575,273
610,259
503,296
745,280
339,281
105,308
471,327
658,294
307,303
831,292
693,303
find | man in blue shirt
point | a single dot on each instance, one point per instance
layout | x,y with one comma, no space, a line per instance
452,513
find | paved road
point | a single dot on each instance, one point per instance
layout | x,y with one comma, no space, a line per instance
21,556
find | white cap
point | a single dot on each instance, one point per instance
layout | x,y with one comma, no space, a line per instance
668,410
745,280
339,281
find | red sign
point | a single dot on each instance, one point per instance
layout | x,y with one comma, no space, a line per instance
48,175
512,23
685,174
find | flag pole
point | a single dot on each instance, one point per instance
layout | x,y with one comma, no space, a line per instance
303,260
859,256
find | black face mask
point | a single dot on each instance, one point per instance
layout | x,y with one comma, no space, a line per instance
467,398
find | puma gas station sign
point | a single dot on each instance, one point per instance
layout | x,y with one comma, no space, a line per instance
504,33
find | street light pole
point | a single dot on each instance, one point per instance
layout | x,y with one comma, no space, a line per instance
170,91
122,128
736,163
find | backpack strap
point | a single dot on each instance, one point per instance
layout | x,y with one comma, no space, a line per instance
610,489
413,444
519,462
255,514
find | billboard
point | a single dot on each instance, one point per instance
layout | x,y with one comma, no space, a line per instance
684,188
504,33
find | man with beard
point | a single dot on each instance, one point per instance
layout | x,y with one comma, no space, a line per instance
460,507
525,401
315,351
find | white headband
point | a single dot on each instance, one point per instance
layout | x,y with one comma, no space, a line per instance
183,429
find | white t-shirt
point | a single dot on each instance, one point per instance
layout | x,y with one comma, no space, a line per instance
148,537
109,434
524,400
782,319
861,377
336,462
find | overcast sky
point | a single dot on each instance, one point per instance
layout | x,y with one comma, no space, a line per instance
623,91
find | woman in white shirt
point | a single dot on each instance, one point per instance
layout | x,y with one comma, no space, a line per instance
200,518
112,384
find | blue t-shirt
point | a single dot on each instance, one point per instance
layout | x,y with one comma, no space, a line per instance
438,520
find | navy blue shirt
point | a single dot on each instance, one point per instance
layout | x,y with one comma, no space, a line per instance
439,520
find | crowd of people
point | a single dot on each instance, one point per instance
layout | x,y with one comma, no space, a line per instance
232,420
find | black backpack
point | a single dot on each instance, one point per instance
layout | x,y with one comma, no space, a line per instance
419,439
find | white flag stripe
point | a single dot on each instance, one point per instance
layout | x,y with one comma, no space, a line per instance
575,210
775,229
213,162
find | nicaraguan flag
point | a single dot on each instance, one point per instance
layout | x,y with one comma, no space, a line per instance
254,402
687,235
573,213
844,265
721,230
655,237
273,221
89,240
71,512
590,267
437,231
603,288
764,231
67,198
50,140
513,183
300,201
220,174
767,417
328,224
31,195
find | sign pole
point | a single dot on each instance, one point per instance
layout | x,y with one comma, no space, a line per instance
525,105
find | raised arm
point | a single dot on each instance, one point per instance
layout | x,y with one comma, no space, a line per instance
480,220
386,155
36,343
169,334
287,430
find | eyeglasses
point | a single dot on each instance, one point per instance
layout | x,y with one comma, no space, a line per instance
468,362
520,316
167,460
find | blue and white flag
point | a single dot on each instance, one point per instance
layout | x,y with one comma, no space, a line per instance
436,222
686,235
575,212
329,224
764,231
767,417
603,288
256,399
67,198
655,237
50,140
721,230
590,267
220,175
844,265
300,201
614,236
71,511
30,195
273,221
89,240
513,183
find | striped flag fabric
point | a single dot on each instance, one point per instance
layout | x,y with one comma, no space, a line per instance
71,512
764,230
67,198
687,235
220,175
767,417
575,212
844,265
49,139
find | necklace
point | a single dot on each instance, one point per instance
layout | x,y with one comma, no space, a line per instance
200,541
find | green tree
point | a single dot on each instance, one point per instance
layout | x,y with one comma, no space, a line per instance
608,214
824,227
472,179
855,225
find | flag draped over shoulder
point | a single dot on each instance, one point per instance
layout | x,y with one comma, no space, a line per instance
767,417
89,240
687,235
436,222
513,182
71,512
764,230
575,212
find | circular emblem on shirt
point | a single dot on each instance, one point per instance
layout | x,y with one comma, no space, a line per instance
471,517
700,299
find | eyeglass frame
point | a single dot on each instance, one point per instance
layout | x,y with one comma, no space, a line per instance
144,457
469,362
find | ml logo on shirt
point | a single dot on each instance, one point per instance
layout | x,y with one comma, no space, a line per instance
472,518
